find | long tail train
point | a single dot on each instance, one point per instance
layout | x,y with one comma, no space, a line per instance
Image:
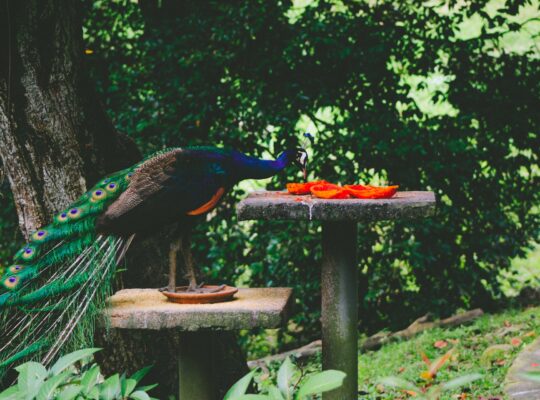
51,295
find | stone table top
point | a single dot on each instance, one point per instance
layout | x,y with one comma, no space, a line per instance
272,205
149,309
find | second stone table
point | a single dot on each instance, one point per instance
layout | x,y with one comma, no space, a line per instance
148,309
339,274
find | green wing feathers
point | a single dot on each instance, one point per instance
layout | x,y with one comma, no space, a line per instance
51,294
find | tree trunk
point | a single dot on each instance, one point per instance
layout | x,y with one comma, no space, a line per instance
56,141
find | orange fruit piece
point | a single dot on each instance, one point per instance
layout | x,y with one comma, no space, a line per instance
329,191
371,192
302,188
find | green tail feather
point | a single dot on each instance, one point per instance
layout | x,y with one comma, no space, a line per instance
51,295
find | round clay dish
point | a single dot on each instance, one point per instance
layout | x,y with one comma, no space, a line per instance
183,297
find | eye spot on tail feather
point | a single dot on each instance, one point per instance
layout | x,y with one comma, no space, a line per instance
98,195
111,187
39,235
16,268
62,217
75,212
11,282
28,253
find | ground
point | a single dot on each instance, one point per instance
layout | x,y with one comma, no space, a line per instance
488,346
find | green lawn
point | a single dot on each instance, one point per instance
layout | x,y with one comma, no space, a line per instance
514,328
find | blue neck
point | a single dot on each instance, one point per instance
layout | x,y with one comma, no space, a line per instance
255,168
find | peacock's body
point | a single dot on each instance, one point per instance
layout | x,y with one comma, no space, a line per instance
59,281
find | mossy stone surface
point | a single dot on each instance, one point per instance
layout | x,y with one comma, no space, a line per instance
150,309
269,205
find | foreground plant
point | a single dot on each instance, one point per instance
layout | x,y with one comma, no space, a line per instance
290,385
65,380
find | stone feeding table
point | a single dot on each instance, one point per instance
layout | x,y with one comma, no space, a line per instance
339,266
149,309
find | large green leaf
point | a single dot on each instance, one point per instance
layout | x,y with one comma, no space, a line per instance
139,395
89,379
110,389
137,376
11,393
275,393
321,382
398,383
240,387
284,378
70,359
31,376
48,389
127,386
147,388
94,393
460,381
69,392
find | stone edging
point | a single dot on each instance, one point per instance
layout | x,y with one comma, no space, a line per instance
516,386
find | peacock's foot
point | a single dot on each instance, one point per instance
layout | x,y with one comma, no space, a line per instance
197,288
194,287
201,289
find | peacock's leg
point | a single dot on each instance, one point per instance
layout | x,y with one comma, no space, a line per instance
173,252
188,262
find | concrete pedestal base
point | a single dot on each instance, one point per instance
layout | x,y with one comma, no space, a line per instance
200,325
340,306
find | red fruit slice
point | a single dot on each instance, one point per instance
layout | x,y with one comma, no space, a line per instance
302,188
371,192
329,191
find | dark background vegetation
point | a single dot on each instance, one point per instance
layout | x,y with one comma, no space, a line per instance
415,94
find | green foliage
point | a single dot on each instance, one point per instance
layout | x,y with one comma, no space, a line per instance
291,384
66,380
424,96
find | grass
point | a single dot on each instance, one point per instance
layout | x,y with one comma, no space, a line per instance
472,352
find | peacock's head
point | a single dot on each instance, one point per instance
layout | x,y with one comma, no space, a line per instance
301,156
301,159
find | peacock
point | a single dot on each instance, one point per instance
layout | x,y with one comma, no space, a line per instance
59,281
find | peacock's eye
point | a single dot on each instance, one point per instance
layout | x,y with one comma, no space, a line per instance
112,187
74,213
39,235
15,268
62,217
28,253
11,282
99,194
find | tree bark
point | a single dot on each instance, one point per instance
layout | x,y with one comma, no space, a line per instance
55,139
